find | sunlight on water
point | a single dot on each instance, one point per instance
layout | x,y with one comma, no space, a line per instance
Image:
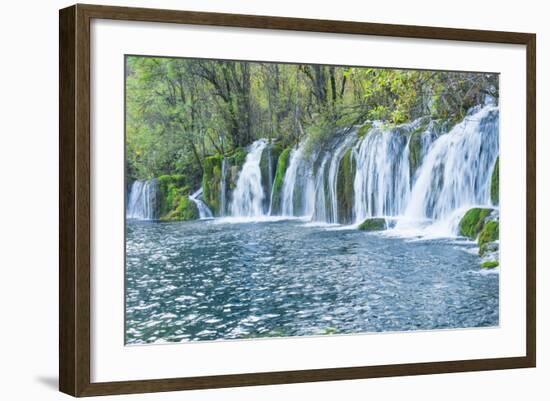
189,281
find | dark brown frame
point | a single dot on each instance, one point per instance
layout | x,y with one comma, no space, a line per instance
74,199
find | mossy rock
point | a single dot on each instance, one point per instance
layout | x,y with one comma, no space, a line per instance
495,183
363,129
211,182
282,165
344,187
415,147
185,210
237,157
415,150
488,234
489,264
472,222
171,189
174,203
373,224
268,169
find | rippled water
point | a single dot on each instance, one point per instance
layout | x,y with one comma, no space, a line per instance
209,280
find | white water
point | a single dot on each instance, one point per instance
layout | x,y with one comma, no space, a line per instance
204,211
382,178
142,200
453,175
249,194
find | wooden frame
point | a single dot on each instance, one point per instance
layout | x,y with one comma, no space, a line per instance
74,199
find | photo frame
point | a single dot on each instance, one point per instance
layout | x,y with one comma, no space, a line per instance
80,314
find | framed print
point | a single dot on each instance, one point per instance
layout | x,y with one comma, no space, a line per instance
250,200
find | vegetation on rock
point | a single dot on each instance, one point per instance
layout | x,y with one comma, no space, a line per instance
373,224
211,182
472,222
282,164
489,264
174,202
495,183
489,234
268,169
344,187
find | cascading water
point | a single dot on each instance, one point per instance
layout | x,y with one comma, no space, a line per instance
426,184
143,200
382,179
298,190
452,171
456,171
248,196
204,211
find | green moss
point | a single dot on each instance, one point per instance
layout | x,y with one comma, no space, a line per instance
211,180
345,191
489,234
472,222
415,147
490,264
282,164
185,210
268,169
363,129
373,224
495,183
174,202
236,158
171,188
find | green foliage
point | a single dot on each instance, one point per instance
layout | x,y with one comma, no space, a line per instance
211,182
495,184
489,234
363,129
182,111
415,147
320,132
472,222
282,164
174,202
237,157
489,264
185,210
344,184
373,224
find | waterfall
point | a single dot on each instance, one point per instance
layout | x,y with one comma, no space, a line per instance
143,200
223,187
204,211
320,212
451,172
420,174
289,181
382,179
248,196
456,170
298,190
332,178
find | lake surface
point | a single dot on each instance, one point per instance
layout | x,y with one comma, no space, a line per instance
211,280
